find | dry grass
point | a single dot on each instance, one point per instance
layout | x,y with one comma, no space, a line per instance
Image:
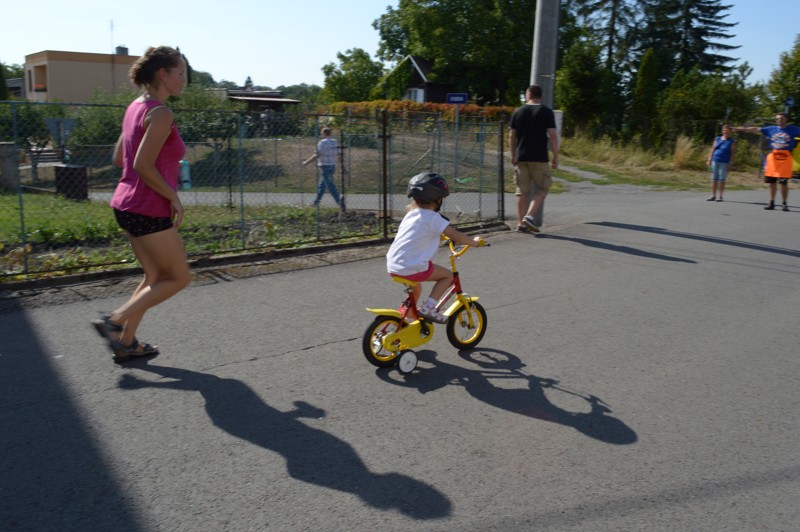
686,169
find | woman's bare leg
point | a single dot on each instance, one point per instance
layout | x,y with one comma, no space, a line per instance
166,273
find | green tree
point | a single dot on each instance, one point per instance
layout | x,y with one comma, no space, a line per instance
308,94
225,84
461,38
3,87
217,123
696,104
582,89
702,25
645,98
686,34
25,124
100,123
785,83
203,79
352,79
612,21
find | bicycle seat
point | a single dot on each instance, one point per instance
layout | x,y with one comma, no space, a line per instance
404,281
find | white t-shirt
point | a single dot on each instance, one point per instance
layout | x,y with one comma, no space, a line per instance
417,240
327,151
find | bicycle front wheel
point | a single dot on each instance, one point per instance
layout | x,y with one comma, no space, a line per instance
459,332
372,344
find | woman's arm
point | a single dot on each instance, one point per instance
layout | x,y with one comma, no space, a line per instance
158,126
117,157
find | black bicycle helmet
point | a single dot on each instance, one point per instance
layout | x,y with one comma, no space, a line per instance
428,187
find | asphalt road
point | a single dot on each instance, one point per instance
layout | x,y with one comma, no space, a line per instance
640,372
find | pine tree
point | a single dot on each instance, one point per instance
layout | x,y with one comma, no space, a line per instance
658,32
685,34
613,20
701,25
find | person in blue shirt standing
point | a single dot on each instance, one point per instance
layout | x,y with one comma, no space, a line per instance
719,159
326,155
778,168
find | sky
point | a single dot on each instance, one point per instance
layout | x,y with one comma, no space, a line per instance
288,42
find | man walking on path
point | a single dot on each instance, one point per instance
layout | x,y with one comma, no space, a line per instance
778,168
326,154
532,125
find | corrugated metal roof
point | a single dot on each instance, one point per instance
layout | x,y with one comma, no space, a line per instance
257,99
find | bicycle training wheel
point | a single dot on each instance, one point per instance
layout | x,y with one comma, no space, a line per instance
407,362
373,341
460,334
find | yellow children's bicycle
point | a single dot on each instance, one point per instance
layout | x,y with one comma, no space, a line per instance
391,336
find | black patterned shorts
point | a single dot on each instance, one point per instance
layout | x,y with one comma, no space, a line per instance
141,225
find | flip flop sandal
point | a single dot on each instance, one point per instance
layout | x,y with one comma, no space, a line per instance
137,349
105,327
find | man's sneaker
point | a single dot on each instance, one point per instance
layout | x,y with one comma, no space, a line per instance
523,229
528,220
432,314
769,207
785,208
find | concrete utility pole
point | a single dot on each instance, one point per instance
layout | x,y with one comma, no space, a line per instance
545,48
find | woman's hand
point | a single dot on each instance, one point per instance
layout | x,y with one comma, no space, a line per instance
177,211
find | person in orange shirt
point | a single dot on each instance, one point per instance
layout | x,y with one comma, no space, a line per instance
778,168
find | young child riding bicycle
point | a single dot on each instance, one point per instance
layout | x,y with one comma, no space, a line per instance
410,255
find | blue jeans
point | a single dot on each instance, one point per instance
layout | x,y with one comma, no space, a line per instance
326,180
719,171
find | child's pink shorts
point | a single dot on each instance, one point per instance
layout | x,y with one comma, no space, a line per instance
417,277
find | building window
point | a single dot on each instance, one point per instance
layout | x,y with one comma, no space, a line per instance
415,95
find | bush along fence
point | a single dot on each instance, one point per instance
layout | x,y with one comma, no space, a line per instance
243,184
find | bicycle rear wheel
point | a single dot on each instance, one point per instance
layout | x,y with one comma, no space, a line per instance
372,344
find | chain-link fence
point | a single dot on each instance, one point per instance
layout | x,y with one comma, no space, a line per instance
243,182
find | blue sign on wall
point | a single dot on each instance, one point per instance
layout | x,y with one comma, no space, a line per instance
457,97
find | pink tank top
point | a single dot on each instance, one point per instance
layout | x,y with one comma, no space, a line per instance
132,194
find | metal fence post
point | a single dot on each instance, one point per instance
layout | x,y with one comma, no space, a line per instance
501,173
385,171
20,199
240,134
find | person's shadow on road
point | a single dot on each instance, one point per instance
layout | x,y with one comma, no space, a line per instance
530,401
311,455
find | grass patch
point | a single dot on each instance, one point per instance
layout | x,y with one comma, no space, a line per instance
62,235
685,169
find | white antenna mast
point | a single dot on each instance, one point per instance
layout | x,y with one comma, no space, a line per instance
113,66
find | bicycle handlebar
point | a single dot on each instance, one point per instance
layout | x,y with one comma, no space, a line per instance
452,245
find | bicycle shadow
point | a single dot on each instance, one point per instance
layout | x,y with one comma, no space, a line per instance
620,249
531,401
311,455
